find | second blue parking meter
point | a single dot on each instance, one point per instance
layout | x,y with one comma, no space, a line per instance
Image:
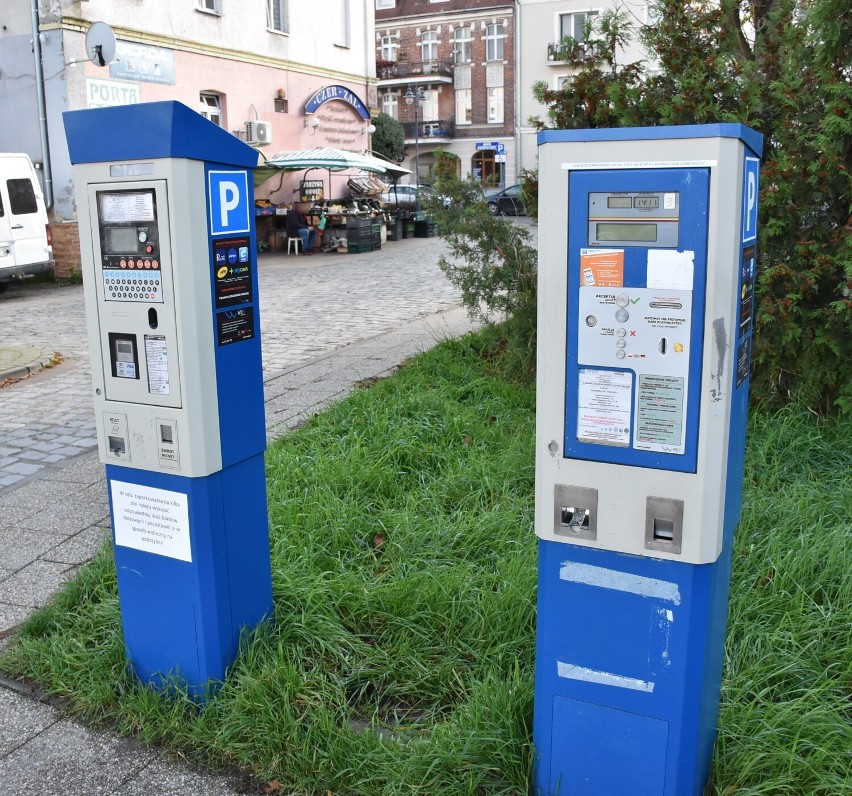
646,314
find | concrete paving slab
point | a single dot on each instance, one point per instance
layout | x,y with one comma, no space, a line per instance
21,546
81,547
23,720
165,777
35,584
67,758
34,494
66,520
11,615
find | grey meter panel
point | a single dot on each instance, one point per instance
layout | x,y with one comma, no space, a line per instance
648,219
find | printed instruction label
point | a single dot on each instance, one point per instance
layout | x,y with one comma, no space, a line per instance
157,359
152,520
659,414
603,410
602,267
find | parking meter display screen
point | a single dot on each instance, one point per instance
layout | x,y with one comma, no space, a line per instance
120,240
645,233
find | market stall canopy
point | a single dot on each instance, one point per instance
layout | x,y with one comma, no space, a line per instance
326,158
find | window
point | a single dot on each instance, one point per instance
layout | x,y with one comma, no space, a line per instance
495,105
429,46
463,106
208,5
211,107
22,198
429,106
344,36
574,25
461,46
494,36
388,48
380,4
277,17
390,104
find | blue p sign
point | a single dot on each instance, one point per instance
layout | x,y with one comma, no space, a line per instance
228,199
750,179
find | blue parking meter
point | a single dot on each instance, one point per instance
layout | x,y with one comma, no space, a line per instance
166,214
646,315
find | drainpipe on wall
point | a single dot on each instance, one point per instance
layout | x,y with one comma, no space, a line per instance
42,109
519,163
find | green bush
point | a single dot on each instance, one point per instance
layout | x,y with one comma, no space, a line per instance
494,265
783,68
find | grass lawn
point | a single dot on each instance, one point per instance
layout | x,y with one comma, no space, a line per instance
400,657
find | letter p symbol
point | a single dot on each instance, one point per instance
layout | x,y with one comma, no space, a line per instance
229,199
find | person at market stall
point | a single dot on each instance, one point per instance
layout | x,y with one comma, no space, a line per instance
298,227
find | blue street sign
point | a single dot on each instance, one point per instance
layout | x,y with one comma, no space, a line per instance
750,177
228,194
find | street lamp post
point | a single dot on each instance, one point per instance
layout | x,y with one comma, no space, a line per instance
415,98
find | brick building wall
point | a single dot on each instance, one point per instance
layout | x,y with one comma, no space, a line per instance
66,249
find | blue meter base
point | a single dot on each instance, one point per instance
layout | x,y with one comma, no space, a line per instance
193,566
628,672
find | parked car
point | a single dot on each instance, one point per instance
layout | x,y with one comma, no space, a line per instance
406,195
508,202
24,233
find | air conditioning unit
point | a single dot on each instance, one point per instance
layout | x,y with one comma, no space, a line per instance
258,133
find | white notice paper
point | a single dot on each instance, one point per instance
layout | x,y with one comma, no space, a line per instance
603,406
127,207
157,359
152,520
670,270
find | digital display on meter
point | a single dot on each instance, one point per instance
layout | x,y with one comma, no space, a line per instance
121,240
643,202
613,231
641,218
619,202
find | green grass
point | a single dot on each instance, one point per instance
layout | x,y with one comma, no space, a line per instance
401,654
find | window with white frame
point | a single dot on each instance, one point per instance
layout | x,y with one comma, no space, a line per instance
494,37
429,46
495,105
430,105
464,112
574,25
277,17
652,13
211,6
388,48
211,107
380,4
462,43
390,104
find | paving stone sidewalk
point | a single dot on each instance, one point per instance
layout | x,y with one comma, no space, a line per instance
51,526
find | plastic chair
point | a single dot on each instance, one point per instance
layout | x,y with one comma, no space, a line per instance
297,241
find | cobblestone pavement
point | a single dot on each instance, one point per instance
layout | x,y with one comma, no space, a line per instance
308,305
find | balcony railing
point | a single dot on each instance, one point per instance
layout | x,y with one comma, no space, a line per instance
390,70
561,52
443,128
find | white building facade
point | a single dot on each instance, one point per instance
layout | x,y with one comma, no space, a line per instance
541,27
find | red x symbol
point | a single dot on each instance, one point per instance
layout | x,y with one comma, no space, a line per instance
633,333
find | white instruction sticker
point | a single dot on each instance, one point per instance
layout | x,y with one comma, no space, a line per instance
157,359
152,520
603,407
670,270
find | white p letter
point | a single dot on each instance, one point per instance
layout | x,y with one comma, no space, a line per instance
229,199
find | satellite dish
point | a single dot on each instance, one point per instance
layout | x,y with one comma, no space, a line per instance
100,44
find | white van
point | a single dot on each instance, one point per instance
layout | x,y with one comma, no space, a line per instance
24,233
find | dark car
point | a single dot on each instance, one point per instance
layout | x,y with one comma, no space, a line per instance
508,202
